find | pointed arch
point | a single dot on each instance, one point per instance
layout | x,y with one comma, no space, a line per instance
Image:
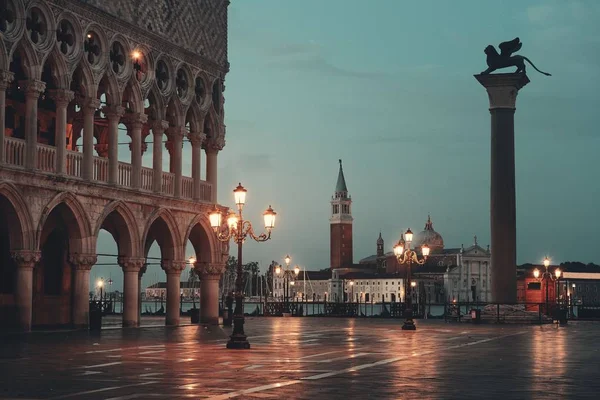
58,67
110,87
202,237
156,107
133,95
28,58
83,81
174,112
18,216
76,219
119,221
209,125
4,64
195,118
162,227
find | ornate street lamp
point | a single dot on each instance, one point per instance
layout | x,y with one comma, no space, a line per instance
288,279
237,229
547,277
404,255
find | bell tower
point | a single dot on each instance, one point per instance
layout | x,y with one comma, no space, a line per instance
341,225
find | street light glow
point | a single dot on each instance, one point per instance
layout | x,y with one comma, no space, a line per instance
536,273
546,262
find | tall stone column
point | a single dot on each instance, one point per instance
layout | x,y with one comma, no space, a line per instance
131,290
113,114
173,270
212,148
134,125
33,89
25,261
502,90
5,79
196,139
176,135
210,274
61,98
158,129
82,264
88,108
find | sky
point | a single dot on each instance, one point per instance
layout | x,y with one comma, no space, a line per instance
387,86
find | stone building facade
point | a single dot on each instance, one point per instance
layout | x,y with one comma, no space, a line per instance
72,74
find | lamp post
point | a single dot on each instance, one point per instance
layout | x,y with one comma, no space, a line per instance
100,285
404,255
287,273
547,277
237,229
351,283
110,282
192,261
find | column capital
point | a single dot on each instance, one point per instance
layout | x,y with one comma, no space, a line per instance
114,112
135,120
33,87
82,261
209,270
131,264
6,78
502,89
214,144
173,266
89,105
159,127
196,138
26,258
176,132
62,97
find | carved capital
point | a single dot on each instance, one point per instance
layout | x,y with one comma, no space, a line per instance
6,79
159,127
61,97
33,87
172,266
502,89
214,144
131,264
115,112
176,133
82,261
26,258
135,120
89,106
196,139
209,270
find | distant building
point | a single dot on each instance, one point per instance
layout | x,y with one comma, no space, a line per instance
159,290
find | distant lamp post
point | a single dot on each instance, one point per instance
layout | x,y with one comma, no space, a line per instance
288,276
238,229
100,285
351,283
404,255
192,261
547,277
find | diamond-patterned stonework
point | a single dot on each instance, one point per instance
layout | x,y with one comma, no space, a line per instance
199,26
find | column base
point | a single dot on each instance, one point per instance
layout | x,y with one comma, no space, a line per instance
209,320
130,324
238,341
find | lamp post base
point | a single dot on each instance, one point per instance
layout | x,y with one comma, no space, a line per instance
238,342
409,324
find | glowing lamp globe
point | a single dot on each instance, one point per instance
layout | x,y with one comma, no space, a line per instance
192,260
408,236
240,195
215,218
296,270
399,248
413,284
536,273
288,259
278,269
546,262
269,217
232,220
557,273
425,250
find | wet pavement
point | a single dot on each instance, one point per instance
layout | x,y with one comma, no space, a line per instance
307,358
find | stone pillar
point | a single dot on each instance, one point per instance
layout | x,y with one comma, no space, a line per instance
134,125
61,98
113,114
158,129
196,139
88,108
173,270
209,291
131,290
176,135
25,261
5,79
212,148
82,264
33,89
502,90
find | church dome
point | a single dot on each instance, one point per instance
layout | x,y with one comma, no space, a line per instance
429,237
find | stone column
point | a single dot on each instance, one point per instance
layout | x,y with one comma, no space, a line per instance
134,125
61,98
502,90
33,89
88,108
5,79
158,129
82,264
212,148
173,270
25,261
209,291
176,135
131,289
113,114
196,139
